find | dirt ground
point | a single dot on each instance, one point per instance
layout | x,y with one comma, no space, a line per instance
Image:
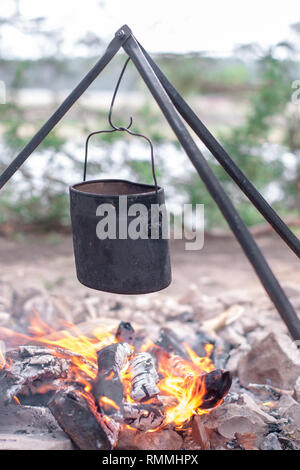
47,263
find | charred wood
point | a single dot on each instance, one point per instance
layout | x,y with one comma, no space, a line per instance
220,354
217,385
143,377
125,333
144,416
217,382
77,415
169,341
113,357
176,363
35,369
108,388
201,339
29,367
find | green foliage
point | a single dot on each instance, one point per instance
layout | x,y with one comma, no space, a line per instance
142,170
46,213
246,144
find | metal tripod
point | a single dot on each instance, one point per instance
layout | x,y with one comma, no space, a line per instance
169,100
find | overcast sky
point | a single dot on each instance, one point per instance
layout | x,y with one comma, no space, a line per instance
215,26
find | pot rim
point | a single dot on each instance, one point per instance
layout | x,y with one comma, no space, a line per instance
74,188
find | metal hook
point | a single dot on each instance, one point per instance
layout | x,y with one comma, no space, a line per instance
113,100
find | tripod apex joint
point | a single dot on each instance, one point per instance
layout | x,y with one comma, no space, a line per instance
124,31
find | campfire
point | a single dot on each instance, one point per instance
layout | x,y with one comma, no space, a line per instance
110,383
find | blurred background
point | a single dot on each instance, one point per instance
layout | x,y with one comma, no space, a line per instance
234,62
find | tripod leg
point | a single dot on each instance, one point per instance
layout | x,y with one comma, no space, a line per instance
110,52
224,159
236,224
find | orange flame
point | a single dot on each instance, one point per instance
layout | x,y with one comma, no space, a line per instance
68,343
16,400
182,381
269,404
103,401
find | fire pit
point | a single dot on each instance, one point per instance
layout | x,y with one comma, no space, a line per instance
195,372
105,386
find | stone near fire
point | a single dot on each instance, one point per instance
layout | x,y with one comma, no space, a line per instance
229,419
144,416
248,402
271,442
35,442
165,439
235,357
267,392
246,441
289,408
126,439
30,428
201,434
274,359
27,419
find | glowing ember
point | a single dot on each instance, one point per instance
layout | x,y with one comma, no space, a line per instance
16,400
107,401
269,404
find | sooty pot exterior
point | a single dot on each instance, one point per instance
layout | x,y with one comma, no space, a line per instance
119,265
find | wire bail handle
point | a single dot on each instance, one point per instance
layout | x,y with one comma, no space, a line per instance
120,129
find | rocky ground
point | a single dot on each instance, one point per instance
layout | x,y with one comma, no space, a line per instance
215,292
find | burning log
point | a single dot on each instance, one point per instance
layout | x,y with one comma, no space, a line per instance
170,342
77,415
125,333
35,369
144,416
108,388
217,385
143,377
28,368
